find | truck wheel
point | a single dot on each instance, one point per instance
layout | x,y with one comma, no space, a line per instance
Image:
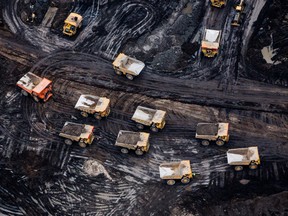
220,142
97,116
139,152
82,144
140,126
171,182
185,180
84,114
68,142
205,142
154,129
253,166
24,93
129,76
35,98
118,72
124,150
238,168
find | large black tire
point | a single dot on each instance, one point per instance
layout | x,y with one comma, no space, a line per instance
82,144
205,142
124,150
118,72
154,129
84,114
24,93
139,152
185,180
253,166
68,142
238,168
36,98
170,182
140,126
129,76
220,142
97,116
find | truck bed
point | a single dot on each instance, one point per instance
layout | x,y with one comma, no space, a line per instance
211,39
207,129
29,81
130,139
130,64
91,103
75,131
242,155
174,170
148,116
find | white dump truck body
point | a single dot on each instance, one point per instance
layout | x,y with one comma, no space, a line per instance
242,156
92,104
128,64
29,81
76,131
148,116
211,39
132,140
74,19
175,170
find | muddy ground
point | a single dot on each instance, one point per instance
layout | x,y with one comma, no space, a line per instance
40,175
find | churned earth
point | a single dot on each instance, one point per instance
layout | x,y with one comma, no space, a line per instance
245,85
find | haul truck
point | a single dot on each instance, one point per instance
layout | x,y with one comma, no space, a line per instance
94,105
81,133
136,141
39,88
173,171
130,67
72,23
218,3
218,132
240,157
211,42
238,16
153,118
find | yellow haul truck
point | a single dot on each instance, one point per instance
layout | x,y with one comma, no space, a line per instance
81,133
238,16
130,67
218,3
72,23
155,119
136,141
243,157
91,104
218,132
211,42
173,171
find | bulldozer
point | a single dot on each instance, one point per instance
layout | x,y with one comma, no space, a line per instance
211,42
130,140
240,157
99,107
179,170
72,23
208,132
155,119
81,133
130,67
39,88
218,3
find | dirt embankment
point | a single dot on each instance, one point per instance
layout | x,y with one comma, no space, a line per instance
268,52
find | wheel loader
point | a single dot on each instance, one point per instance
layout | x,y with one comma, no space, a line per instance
211,42
72,23
130,67
207,132
218,3
240,157
136,141
81,133
99,107
172,171
155,119
39,88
